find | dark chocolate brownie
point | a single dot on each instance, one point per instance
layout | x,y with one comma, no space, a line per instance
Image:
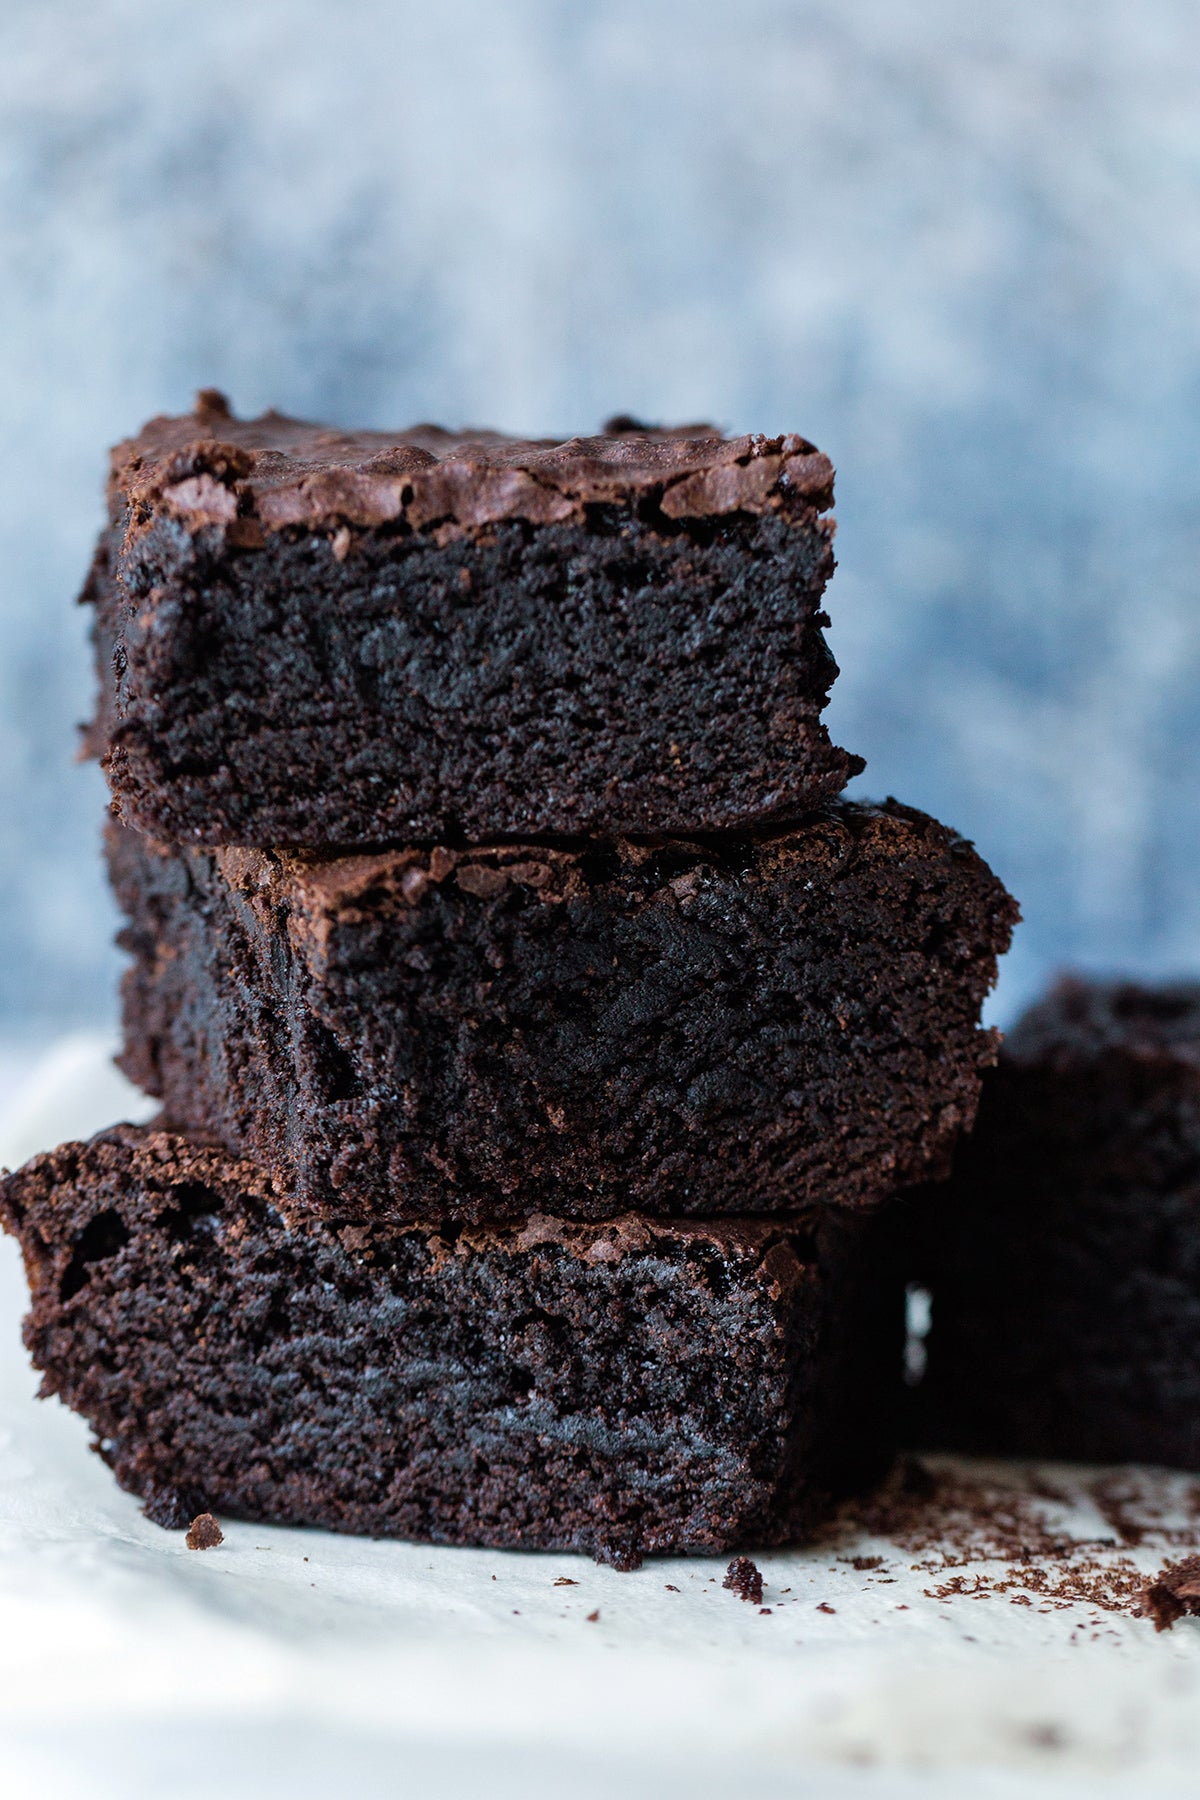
1064,1257
337,639
747,1024
623,1388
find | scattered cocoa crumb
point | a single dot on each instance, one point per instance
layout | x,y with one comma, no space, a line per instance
950,1522
744,1579
562,1581
593,1616
669,1588
1174,1592
1045,1489
862,1562
1116,1500
765,1611
824,1606
204,1533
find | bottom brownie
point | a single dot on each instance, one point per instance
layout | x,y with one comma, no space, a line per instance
618,1388
1064,1257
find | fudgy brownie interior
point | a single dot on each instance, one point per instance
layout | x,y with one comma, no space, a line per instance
752,1024
619,1389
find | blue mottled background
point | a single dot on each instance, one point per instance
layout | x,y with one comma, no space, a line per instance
959,247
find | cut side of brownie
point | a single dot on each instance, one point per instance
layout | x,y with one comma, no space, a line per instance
337,639
745,1024
1064,1257
620,1389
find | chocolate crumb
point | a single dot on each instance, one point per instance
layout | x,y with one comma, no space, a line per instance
744,1579
670,1589
824,1606
951,1521
863,1562
204,1533
562,1581
1172,1594
593,1616
1116,1501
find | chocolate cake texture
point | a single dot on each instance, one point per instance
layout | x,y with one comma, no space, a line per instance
618,1389
745,1024
1064,1256
339,639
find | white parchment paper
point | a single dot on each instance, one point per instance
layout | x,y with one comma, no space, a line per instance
297,1663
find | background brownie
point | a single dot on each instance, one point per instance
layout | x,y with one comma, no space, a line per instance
312,637
1065,1256
748,1024
619,1389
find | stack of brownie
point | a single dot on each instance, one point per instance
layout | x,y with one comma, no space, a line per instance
538,1035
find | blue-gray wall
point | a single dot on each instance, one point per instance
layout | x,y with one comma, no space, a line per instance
958,246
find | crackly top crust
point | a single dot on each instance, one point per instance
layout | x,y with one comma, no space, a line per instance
49,1201
328,883
1084,1018
315,892
253,476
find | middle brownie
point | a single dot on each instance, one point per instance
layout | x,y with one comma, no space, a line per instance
482,1033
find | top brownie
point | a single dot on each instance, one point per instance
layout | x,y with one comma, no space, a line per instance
332,639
